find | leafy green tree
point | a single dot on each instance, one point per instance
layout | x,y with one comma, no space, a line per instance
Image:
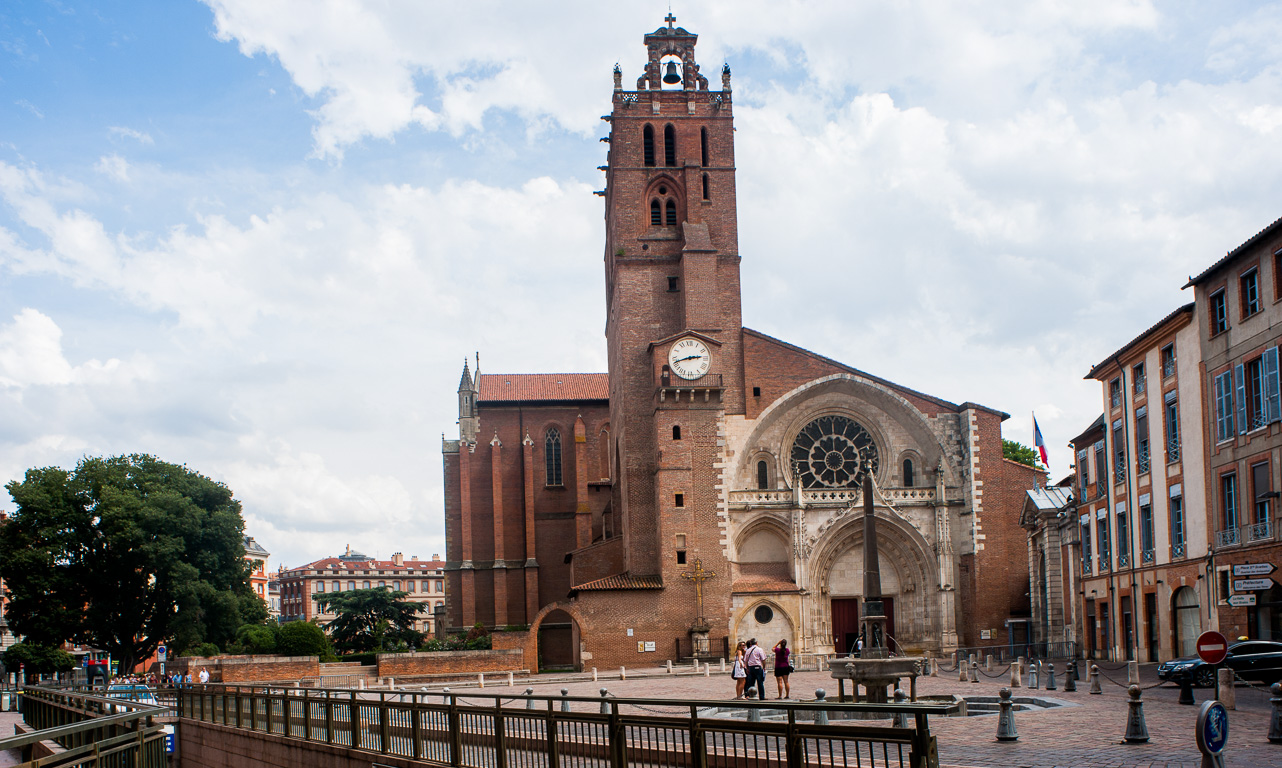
257,638
1021,453
371,619
37,659
303,638
125,553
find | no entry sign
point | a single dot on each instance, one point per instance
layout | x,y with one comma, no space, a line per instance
1212,647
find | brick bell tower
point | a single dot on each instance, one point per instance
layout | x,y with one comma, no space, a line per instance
673,324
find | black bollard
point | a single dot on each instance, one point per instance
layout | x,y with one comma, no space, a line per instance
1070,677
1186,691
1136,729
1275,723
1006,718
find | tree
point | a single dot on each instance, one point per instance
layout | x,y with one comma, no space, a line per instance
302,638
123,554
371,619
1021,453
37,659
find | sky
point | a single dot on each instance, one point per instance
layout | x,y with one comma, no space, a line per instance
260,239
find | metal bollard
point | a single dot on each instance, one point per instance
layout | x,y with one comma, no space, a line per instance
1016,679
1186,691
821,715
1070,677
988,663
605,705
1076,674
529,703
1136,730
1227,694
1006,718
754,714
1275,722
974,671
1095,686
900,720
1132,673
1033,669
565,702
1050,677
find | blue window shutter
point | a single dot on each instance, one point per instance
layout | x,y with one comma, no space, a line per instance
1272,395
1240,377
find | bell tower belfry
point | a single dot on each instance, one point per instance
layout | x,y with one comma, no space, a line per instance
673,324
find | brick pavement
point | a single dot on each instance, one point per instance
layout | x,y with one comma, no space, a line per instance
1087,733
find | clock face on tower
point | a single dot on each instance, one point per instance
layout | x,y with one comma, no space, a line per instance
689,358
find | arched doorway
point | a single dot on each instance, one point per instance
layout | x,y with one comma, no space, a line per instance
558,642
1188,621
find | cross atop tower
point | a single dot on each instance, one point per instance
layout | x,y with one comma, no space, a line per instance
670,19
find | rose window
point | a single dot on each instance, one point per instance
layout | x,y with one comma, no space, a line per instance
828,452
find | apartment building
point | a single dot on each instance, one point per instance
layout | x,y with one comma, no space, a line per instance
423,580
1239,321
1141,490
257,557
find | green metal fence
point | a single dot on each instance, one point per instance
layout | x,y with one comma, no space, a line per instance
488,731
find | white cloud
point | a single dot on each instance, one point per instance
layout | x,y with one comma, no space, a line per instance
31,355
113,166
131,133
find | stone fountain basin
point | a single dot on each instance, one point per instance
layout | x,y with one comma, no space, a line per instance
877,669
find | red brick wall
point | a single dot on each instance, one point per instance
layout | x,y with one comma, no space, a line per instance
245,669
449,662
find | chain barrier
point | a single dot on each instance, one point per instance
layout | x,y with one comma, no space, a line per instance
953,668
1128,685
1238,679
1000,674
1124,665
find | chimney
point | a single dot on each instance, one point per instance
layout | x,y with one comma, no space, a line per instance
398,559
436,558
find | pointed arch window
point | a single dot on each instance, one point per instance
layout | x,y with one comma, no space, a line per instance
656,213
763,475
647,141
703,148
552,457
676,432
669,146
671,218
909,479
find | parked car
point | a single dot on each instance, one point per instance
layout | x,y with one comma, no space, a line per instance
1259,660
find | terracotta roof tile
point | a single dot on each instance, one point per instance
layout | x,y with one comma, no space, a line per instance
621,581
758,585
510,387
334,563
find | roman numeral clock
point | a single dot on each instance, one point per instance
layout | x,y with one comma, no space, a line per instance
689,358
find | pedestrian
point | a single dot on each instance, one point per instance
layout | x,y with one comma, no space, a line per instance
859,645
738,671
783,668
187,679
204,675
755,661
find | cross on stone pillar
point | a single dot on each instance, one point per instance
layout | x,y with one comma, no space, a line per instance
698,576
670,19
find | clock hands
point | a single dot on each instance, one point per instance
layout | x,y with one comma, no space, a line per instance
688,357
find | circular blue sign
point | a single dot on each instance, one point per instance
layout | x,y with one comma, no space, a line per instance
1212,728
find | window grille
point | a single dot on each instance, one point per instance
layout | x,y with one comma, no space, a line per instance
656,213
552,457
672,213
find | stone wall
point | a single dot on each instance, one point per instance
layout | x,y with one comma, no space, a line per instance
246,669
450,662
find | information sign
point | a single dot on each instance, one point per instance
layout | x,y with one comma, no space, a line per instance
1253,569
1212,647
161,654
1212,728
1241,601
1252,585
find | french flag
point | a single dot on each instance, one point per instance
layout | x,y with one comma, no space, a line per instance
1037,441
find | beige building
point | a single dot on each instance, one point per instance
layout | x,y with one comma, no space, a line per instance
423,580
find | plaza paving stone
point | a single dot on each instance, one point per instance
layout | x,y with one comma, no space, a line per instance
1087,733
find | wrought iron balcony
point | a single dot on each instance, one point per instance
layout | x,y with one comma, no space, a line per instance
1103,564
1086,565
1227,538
1141,458
1262,531
1177,550
1119,472
1147,555
1140,381
1168,368
1123,560
1173,449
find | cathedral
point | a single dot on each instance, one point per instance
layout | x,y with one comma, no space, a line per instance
706,489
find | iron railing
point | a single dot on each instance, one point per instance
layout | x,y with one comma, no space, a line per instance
1261,531
1177,550
1173,450
1227,537
91,730
1005,653
486,731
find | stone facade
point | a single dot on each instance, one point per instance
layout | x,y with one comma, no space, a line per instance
422,580
705,489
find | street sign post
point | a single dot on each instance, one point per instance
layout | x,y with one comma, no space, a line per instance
1241,601
1253,569
1212,732
1212,647
1252,585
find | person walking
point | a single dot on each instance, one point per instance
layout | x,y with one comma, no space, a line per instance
783,668
204,676
738,671
755,661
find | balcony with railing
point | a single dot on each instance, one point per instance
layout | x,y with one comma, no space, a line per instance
1119,472
1177,551
1123,560
1141,457
827,496
1140,382
1262,531
702,388
1173,450
1168,367
1228,537
1086,565
1147,555
1103,564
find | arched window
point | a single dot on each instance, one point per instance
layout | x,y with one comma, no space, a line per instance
671,219
703,146
552,457
669,146
909,479
656,212
763,475
647,139
706,196
676,432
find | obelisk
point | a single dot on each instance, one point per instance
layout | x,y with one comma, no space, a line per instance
874,613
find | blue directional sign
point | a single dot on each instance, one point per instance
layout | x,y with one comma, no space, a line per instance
1212,728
